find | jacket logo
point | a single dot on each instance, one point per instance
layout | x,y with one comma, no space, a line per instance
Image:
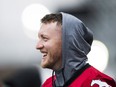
100,83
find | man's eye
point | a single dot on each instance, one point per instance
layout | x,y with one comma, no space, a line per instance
45,39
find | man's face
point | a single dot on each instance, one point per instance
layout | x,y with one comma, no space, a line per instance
49,45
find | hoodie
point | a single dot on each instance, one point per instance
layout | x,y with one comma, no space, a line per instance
76,44
75,72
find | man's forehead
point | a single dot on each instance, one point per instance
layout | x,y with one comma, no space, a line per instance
49,27
42,32
49,24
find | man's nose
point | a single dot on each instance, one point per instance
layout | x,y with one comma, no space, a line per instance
39,45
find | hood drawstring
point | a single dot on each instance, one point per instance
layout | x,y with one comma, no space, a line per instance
53,82
63,75
53,76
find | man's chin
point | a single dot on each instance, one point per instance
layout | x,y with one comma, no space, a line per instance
43,65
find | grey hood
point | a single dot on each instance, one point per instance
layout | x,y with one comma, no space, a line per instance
76,44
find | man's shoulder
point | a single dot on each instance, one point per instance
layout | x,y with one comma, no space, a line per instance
91,77
98,78
95,73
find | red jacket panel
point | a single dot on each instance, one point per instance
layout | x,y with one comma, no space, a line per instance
90,77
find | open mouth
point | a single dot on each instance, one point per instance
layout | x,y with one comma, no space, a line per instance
44,54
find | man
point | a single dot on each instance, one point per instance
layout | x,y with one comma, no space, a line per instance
65,42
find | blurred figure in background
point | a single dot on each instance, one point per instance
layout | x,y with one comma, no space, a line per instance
65,41
26,77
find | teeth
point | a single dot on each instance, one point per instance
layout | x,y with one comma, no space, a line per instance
44,54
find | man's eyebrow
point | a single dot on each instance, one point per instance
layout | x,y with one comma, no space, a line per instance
42,35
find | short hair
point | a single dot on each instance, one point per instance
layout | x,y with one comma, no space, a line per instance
52,18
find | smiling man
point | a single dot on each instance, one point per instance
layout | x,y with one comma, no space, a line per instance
64,42
50,45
